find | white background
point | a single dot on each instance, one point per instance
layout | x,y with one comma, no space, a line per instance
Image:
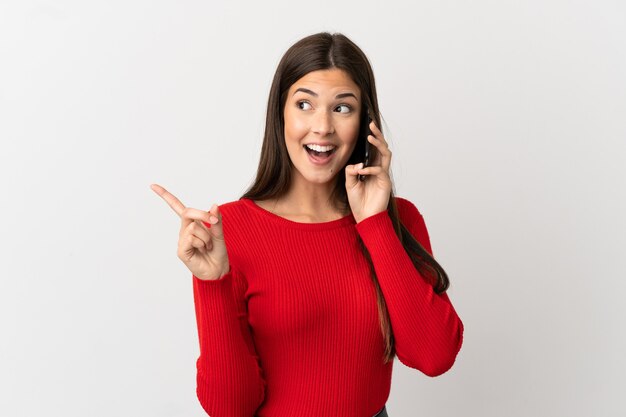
507,123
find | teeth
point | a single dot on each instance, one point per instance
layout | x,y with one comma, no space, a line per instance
320,148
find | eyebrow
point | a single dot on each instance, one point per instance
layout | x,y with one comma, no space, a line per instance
314,94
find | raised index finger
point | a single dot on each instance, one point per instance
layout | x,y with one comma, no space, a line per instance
169,198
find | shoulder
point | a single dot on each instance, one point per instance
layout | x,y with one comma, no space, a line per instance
234,206
407,209
236,219
413,220
234,210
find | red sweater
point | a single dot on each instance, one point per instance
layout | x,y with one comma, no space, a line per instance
293,330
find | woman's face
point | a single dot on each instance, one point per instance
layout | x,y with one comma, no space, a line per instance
323,108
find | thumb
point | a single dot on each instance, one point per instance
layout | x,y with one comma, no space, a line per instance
215,221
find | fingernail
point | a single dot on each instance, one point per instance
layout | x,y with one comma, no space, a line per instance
213,219
359,166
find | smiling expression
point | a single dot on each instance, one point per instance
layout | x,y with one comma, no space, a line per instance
323,107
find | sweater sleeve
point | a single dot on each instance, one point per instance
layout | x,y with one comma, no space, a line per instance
428,333
230,381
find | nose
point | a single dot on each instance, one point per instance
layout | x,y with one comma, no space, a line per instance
323,123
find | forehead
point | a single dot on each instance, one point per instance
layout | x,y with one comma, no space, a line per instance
326,81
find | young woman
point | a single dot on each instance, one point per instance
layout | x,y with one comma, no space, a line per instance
307,287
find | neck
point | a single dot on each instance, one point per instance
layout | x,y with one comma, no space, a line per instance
307,198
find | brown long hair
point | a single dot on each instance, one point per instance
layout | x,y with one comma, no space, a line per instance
323,51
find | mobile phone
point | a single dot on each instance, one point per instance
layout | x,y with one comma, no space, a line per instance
367,131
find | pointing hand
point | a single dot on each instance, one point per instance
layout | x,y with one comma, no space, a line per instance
201,246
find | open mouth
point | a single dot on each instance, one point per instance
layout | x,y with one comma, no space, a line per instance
319,154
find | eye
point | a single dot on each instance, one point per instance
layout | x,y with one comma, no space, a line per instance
346,106
302,102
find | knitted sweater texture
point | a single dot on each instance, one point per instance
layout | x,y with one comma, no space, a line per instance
293,329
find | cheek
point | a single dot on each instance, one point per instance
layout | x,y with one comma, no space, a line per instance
350,133
294,126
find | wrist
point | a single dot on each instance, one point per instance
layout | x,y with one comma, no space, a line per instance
225,273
